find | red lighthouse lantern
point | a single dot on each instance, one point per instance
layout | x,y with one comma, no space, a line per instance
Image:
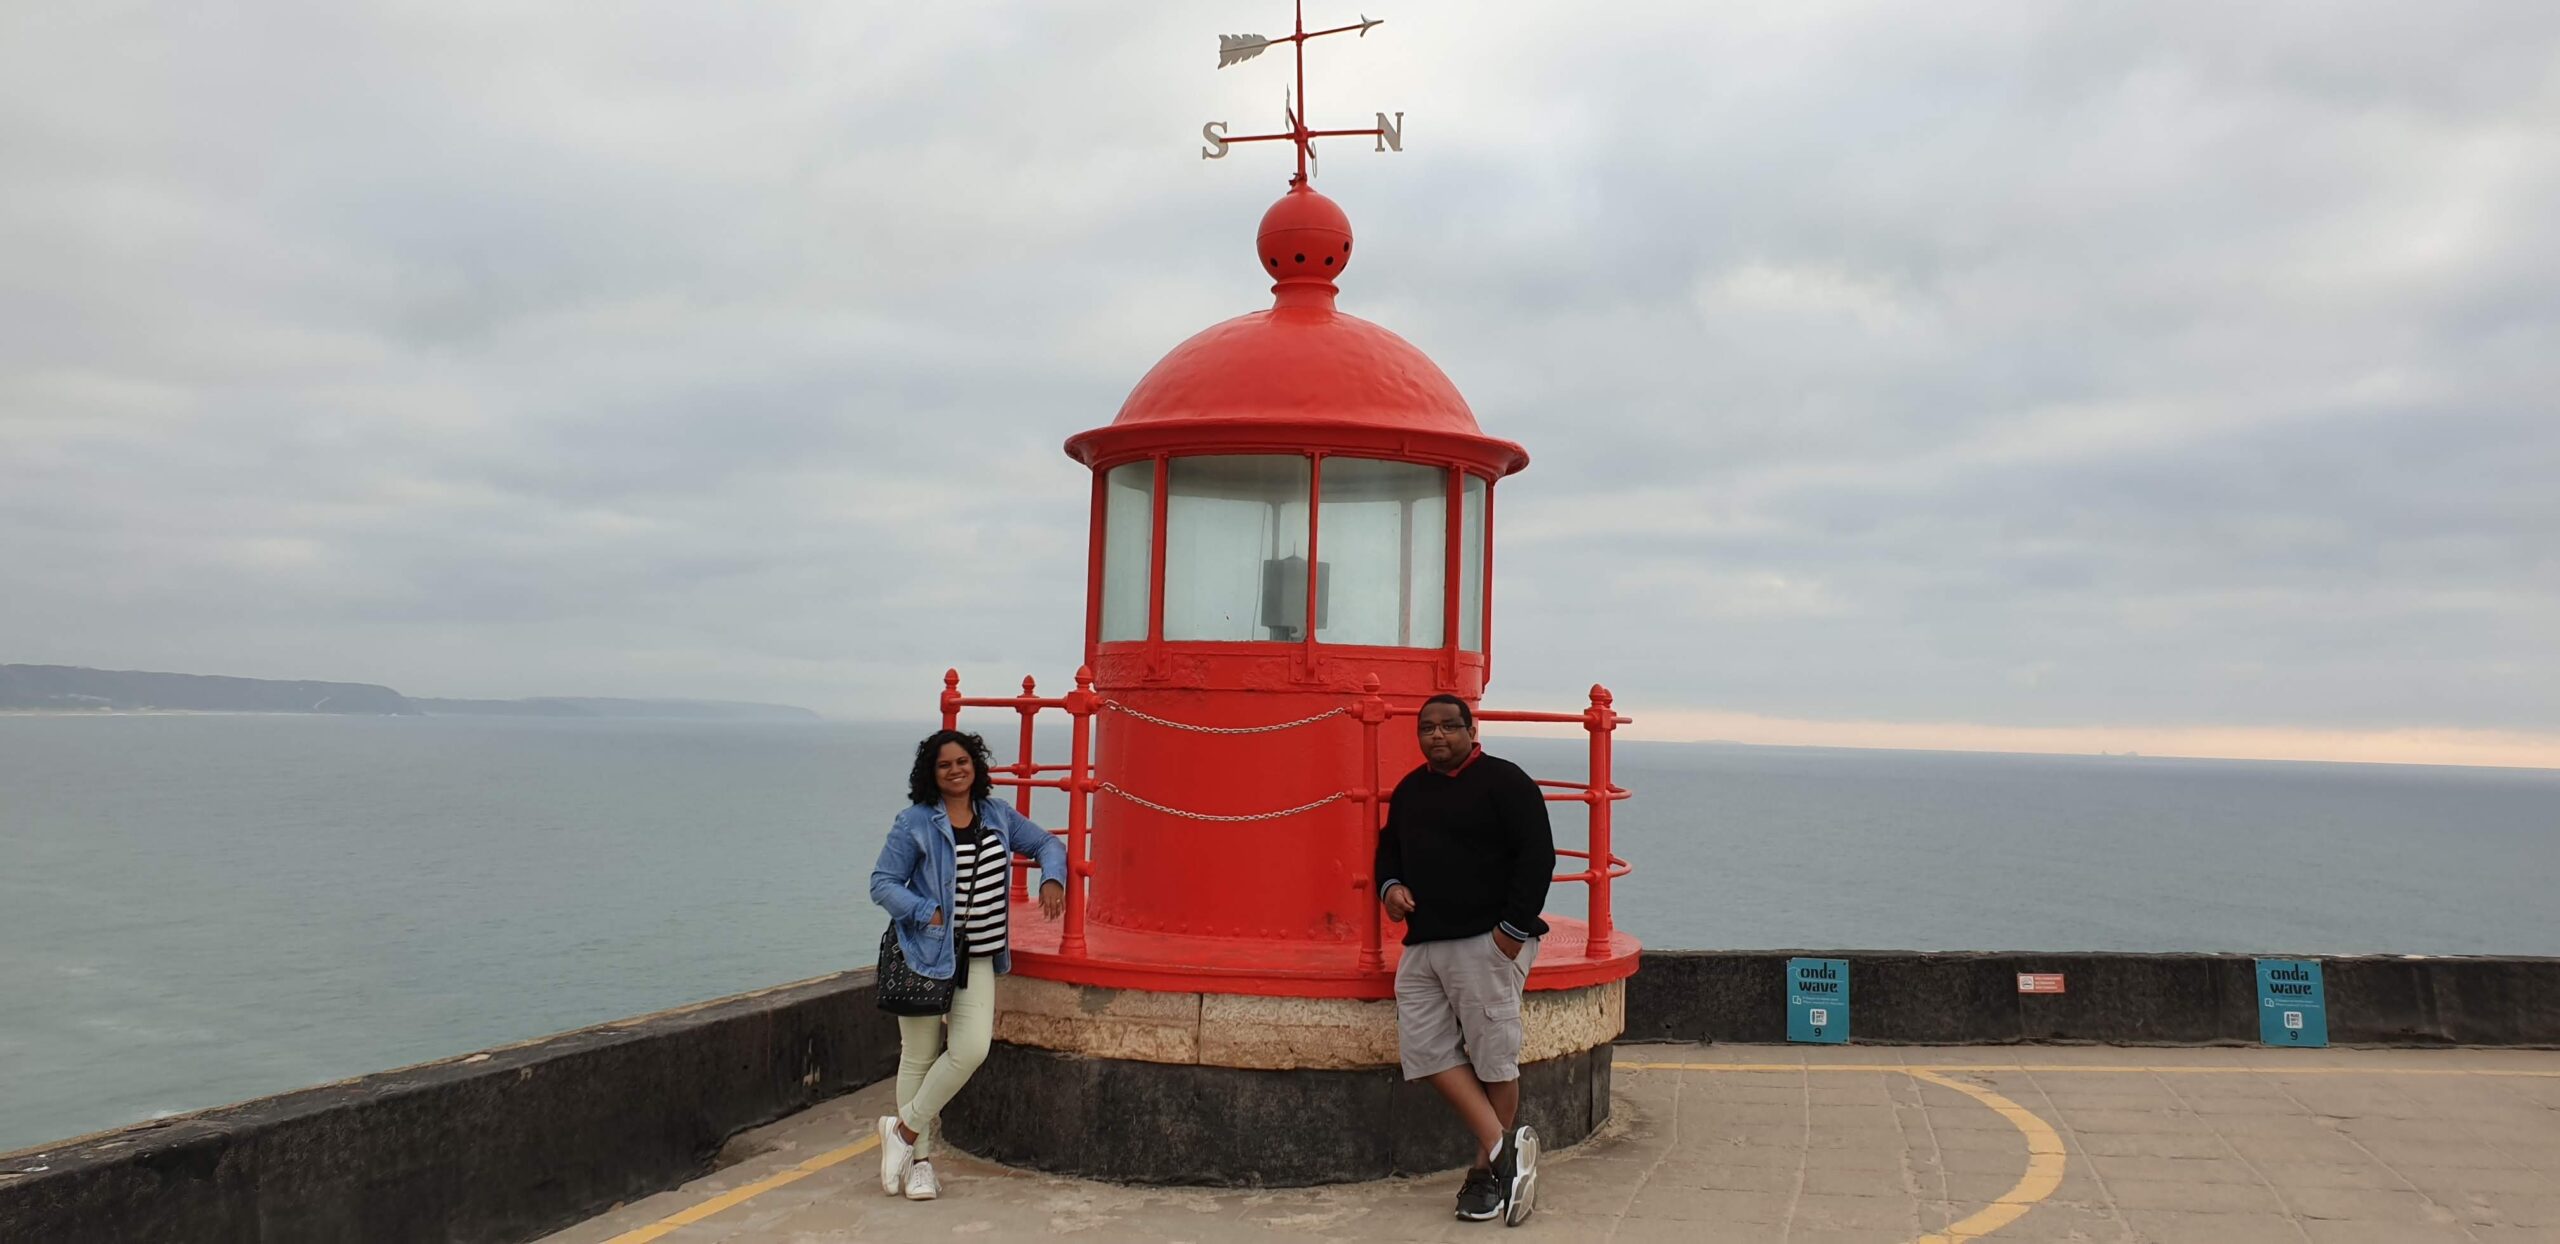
1292,504
1291,549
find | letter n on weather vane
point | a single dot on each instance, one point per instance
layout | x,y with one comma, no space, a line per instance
1237,49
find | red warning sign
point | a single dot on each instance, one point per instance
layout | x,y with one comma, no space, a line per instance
2039,982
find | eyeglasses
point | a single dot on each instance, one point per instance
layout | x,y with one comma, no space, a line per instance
1436,727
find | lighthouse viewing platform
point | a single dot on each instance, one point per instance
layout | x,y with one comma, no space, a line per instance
1306,960
2139,1105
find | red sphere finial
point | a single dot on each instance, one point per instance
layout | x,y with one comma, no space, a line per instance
1304,242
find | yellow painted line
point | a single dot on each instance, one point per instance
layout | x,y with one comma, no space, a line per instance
1623,1065
2097,1069
740,1196
2044,1166
2044,1146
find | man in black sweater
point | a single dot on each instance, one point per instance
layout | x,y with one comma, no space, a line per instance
1464,861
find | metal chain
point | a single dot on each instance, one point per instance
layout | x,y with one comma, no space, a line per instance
1228,820
1118,707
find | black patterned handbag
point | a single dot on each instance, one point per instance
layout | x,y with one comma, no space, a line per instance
902,990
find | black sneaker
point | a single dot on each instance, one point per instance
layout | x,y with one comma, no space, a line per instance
1481,1199
1518,1163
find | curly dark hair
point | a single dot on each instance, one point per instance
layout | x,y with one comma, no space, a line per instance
922,789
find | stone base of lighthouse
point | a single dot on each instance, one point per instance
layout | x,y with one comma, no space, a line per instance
1138,1086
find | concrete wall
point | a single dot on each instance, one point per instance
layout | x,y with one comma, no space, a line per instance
1908,997
504,1146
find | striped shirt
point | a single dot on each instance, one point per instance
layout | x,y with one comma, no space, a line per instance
981,870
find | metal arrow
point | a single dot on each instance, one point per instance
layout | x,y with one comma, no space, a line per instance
1237,49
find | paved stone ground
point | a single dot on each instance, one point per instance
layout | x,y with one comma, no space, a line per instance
1798,1145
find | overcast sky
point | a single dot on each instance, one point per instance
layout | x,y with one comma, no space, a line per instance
2050,376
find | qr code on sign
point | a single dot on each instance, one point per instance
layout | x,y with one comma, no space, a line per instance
2293,1019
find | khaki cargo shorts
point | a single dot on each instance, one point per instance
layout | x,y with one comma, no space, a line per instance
1458,1002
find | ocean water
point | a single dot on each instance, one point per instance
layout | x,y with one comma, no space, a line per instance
195,910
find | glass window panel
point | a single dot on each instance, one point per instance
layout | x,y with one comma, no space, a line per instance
1383,532
1128,539
1471,521
1236,548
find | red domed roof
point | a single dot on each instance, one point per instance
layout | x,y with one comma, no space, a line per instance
1300,372
1300,363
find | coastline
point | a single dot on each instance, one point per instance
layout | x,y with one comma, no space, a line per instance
174,712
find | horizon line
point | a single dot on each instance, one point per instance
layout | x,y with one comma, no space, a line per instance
2456,747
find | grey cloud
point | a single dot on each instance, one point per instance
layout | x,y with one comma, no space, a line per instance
2027,365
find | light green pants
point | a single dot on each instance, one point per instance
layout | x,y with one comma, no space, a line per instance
931,1068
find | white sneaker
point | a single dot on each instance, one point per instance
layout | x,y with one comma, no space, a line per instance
896,1155
921,1185
1522,1196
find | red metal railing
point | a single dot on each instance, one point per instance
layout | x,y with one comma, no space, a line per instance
1601,864
1598,792
1024,776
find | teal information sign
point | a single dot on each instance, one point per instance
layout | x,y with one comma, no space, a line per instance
1818,1000
2292,1008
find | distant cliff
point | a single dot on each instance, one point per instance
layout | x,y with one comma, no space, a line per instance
65,688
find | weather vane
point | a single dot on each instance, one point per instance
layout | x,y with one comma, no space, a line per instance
1236,49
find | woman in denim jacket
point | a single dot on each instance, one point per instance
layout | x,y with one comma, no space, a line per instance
942,877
